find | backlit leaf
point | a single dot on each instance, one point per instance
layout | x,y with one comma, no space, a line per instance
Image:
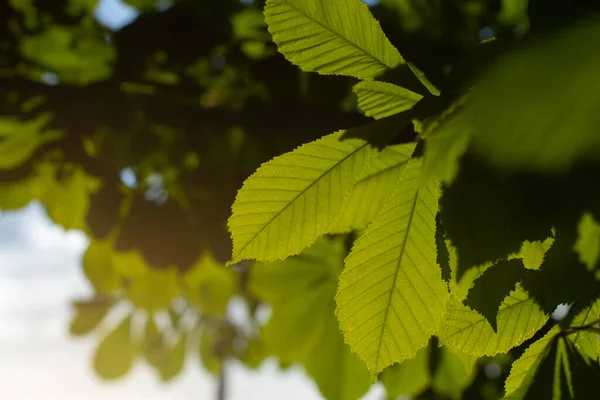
373,188
88,315
587,342
19,139
492,288
552,368
331,37
382,99
467,331
408,378
523,371
588,241
391,296
339,373
303,327
209,285
115,353
155,289
298,289
455,371
98,267
166,357
446,140
533,252
293,199
561,124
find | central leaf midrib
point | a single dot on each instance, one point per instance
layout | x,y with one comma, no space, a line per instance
403,249
302,192
338,34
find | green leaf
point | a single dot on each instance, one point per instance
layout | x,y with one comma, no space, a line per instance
373,188
68,200
588,241
88,315
533,252
209,354
167,358
154,289
408,378
492,288
515,12
391,296
552,369
115,353
446,140
331,37
303,327
560,127
523,371
293,199
454,372
587,341
98,267
339,373
298,289
209,286
20,139
382,99
467,331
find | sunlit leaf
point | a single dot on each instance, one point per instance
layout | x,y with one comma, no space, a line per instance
533,252
98,267
382,99
331,37
454,373
339,373
68,200
523,371
303,327
88,315
391,296
115,353
587,342
446,140
167,358
209,285
19,139
492,288
374,187
467,331
408,378
155,289
297,289
560,127
588,241
296,197
552,368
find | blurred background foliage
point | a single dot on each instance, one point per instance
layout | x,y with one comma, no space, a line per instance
141,135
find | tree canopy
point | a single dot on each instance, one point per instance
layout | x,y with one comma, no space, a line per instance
409,187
